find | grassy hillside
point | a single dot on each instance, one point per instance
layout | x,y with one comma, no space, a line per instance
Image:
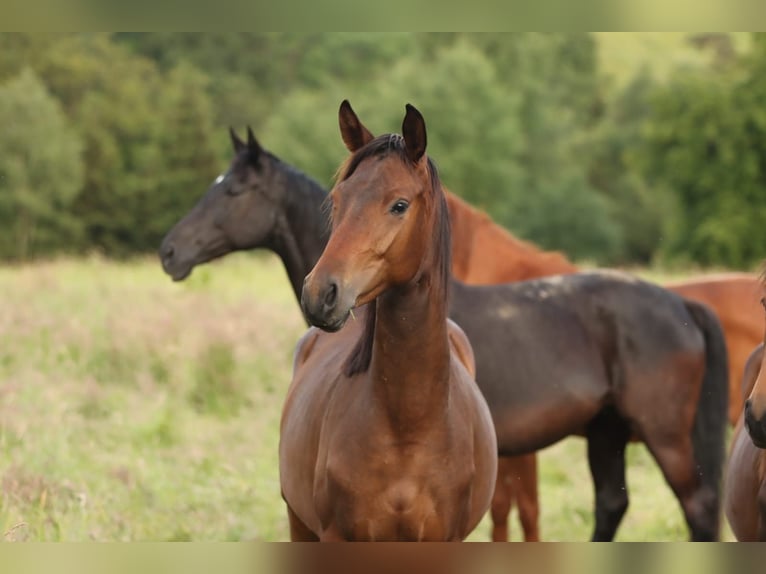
133,408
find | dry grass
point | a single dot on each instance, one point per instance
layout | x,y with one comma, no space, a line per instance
133,408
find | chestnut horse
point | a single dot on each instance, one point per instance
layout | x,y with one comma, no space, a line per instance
263,202
385,434
745,486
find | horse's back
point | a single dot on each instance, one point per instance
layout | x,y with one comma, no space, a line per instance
485,253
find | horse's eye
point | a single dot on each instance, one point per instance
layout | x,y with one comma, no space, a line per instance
399,207
763,303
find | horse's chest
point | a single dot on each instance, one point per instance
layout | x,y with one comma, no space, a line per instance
398,499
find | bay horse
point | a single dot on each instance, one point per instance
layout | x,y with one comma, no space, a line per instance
262,202
284,210
745,484
385,434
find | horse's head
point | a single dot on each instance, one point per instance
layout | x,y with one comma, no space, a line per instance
235,213
382,211
755,405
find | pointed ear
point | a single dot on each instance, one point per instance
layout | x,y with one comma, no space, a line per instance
253,147
236,143
414,132
353,132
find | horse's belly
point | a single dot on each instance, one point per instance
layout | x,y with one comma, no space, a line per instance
525,427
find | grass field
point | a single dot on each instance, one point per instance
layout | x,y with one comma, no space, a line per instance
133,408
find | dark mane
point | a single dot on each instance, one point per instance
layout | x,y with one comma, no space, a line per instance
361,355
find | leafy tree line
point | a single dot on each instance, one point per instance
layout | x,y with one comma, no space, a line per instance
108,138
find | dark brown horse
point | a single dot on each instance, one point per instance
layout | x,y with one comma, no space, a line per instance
745,486
486,254
619,348
384,434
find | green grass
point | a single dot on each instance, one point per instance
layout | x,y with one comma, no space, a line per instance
134,408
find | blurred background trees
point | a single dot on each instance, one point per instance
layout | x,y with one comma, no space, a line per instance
615,148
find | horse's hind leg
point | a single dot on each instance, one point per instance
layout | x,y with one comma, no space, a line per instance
607,436
527,498
516,482
699,502
502,500
299,532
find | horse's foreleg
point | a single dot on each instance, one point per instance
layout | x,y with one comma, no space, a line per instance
299,532
607,435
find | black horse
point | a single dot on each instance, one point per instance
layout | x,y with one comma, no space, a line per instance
600,354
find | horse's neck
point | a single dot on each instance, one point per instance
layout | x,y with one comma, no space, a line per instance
410,365
510,259
301,231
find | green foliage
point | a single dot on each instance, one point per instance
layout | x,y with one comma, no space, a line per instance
148,139
40,169
705,143
641,213
19,50
472,127
615,148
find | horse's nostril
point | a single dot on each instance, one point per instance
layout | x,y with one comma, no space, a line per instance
331,295
169,251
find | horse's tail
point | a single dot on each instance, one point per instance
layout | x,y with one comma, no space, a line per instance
711,419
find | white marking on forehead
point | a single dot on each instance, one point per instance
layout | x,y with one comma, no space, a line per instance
219,179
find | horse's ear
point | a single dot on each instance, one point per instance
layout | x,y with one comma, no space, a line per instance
353,132
253,147
236,143
414,132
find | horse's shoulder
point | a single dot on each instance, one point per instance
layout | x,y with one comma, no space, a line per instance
462,347
304,346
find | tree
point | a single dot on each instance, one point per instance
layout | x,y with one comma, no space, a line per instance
40,170
112,97
643,213
189,158
706,143
19,50
148,139
471,122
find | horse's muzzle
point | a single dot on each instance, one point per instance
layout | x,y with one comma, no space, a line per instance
322,305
